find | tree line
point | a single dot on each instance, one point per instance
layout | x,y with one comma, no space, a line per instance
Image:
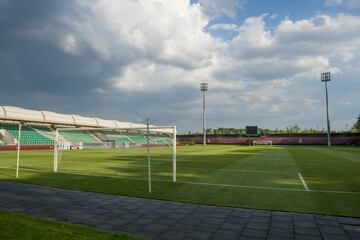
295,128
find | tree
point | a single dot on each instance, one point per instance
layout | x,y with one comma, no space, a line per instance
293,129
356,126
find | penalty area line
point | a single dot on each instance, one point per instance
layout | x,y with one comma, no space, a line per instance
303,182
267,188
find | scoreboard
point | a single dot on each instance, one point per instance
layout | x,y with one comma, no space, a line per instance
252,130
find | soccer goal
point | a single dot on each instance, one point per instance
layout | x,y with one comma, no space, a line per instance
117,151
262,142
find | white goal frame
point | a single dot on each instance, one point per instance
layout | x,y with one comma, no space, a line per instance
171,130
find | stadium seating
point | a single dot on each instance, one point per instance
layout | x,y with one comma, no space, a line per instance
37,135
160,140
140,139
29,136
119,139
78,136
41,128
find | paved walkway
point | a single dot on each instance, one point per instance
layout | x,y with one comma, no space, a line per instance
171,220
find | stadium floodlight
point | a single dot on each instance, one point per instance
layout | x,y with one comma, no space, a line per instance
326,77
204,89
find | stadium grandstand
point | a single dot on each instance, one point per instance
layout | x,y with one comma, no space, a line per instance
37,130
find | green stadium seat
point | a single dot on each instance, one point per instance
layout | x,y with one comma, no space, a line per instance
78,136
29,136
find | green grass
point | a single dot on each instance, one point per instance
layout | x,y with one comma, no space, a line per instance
14,226
262,177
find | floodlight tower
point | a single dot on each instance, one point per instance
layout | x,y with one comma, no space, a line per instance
326,77
204,89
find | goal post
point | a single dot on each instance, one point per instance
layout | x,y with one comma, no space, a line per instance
174,154
107,138
56,150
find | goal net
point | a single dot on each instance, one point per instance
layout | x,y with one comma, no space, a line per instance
117,152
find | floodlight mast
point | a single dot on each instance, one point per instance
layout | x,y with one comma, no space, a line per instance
204,89
326,77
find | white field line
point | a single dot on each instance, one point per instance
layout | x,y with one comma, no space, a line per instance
76,173
195,183
303,182
268,188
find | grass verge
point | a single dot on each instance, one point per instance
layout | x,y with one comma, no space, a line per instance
16,226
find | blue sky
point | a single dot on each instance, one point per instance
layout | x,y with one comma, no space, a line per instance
132,60
279,10
296,10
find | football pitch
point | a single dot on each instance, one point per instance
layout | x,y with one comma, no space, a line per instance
311,179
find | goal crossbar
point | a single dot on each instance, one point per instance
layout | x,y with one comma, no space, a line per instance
117,128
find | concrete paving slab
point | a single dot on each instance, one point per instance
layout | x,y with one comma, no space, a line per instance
163,220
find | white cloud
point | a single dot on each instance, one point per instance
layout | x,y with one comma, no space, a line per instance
217,8
333,2
69,44
280,68
347,3
294,47
147,76
159,46
253,36
223,26
273,16
167,32
353,4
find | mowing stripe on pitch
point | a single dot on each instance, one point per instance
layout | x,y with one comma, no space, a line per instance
192,168
303,182
191,183
134,166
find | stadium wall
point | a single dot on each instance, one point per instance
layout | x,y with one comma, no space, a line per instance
26,147
285,140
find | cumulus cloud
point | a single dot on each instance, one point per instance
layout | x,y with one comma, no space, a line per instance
353,3
169,32
279,68
165,31
306,37
347,3
148,76
147,58
334,2
303,47
224,26
217,8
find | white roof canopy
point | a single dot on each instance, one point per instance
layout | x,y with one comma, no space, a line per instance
45,117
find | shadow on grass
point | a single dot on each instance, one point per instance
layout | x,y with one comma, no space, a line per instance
311,202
